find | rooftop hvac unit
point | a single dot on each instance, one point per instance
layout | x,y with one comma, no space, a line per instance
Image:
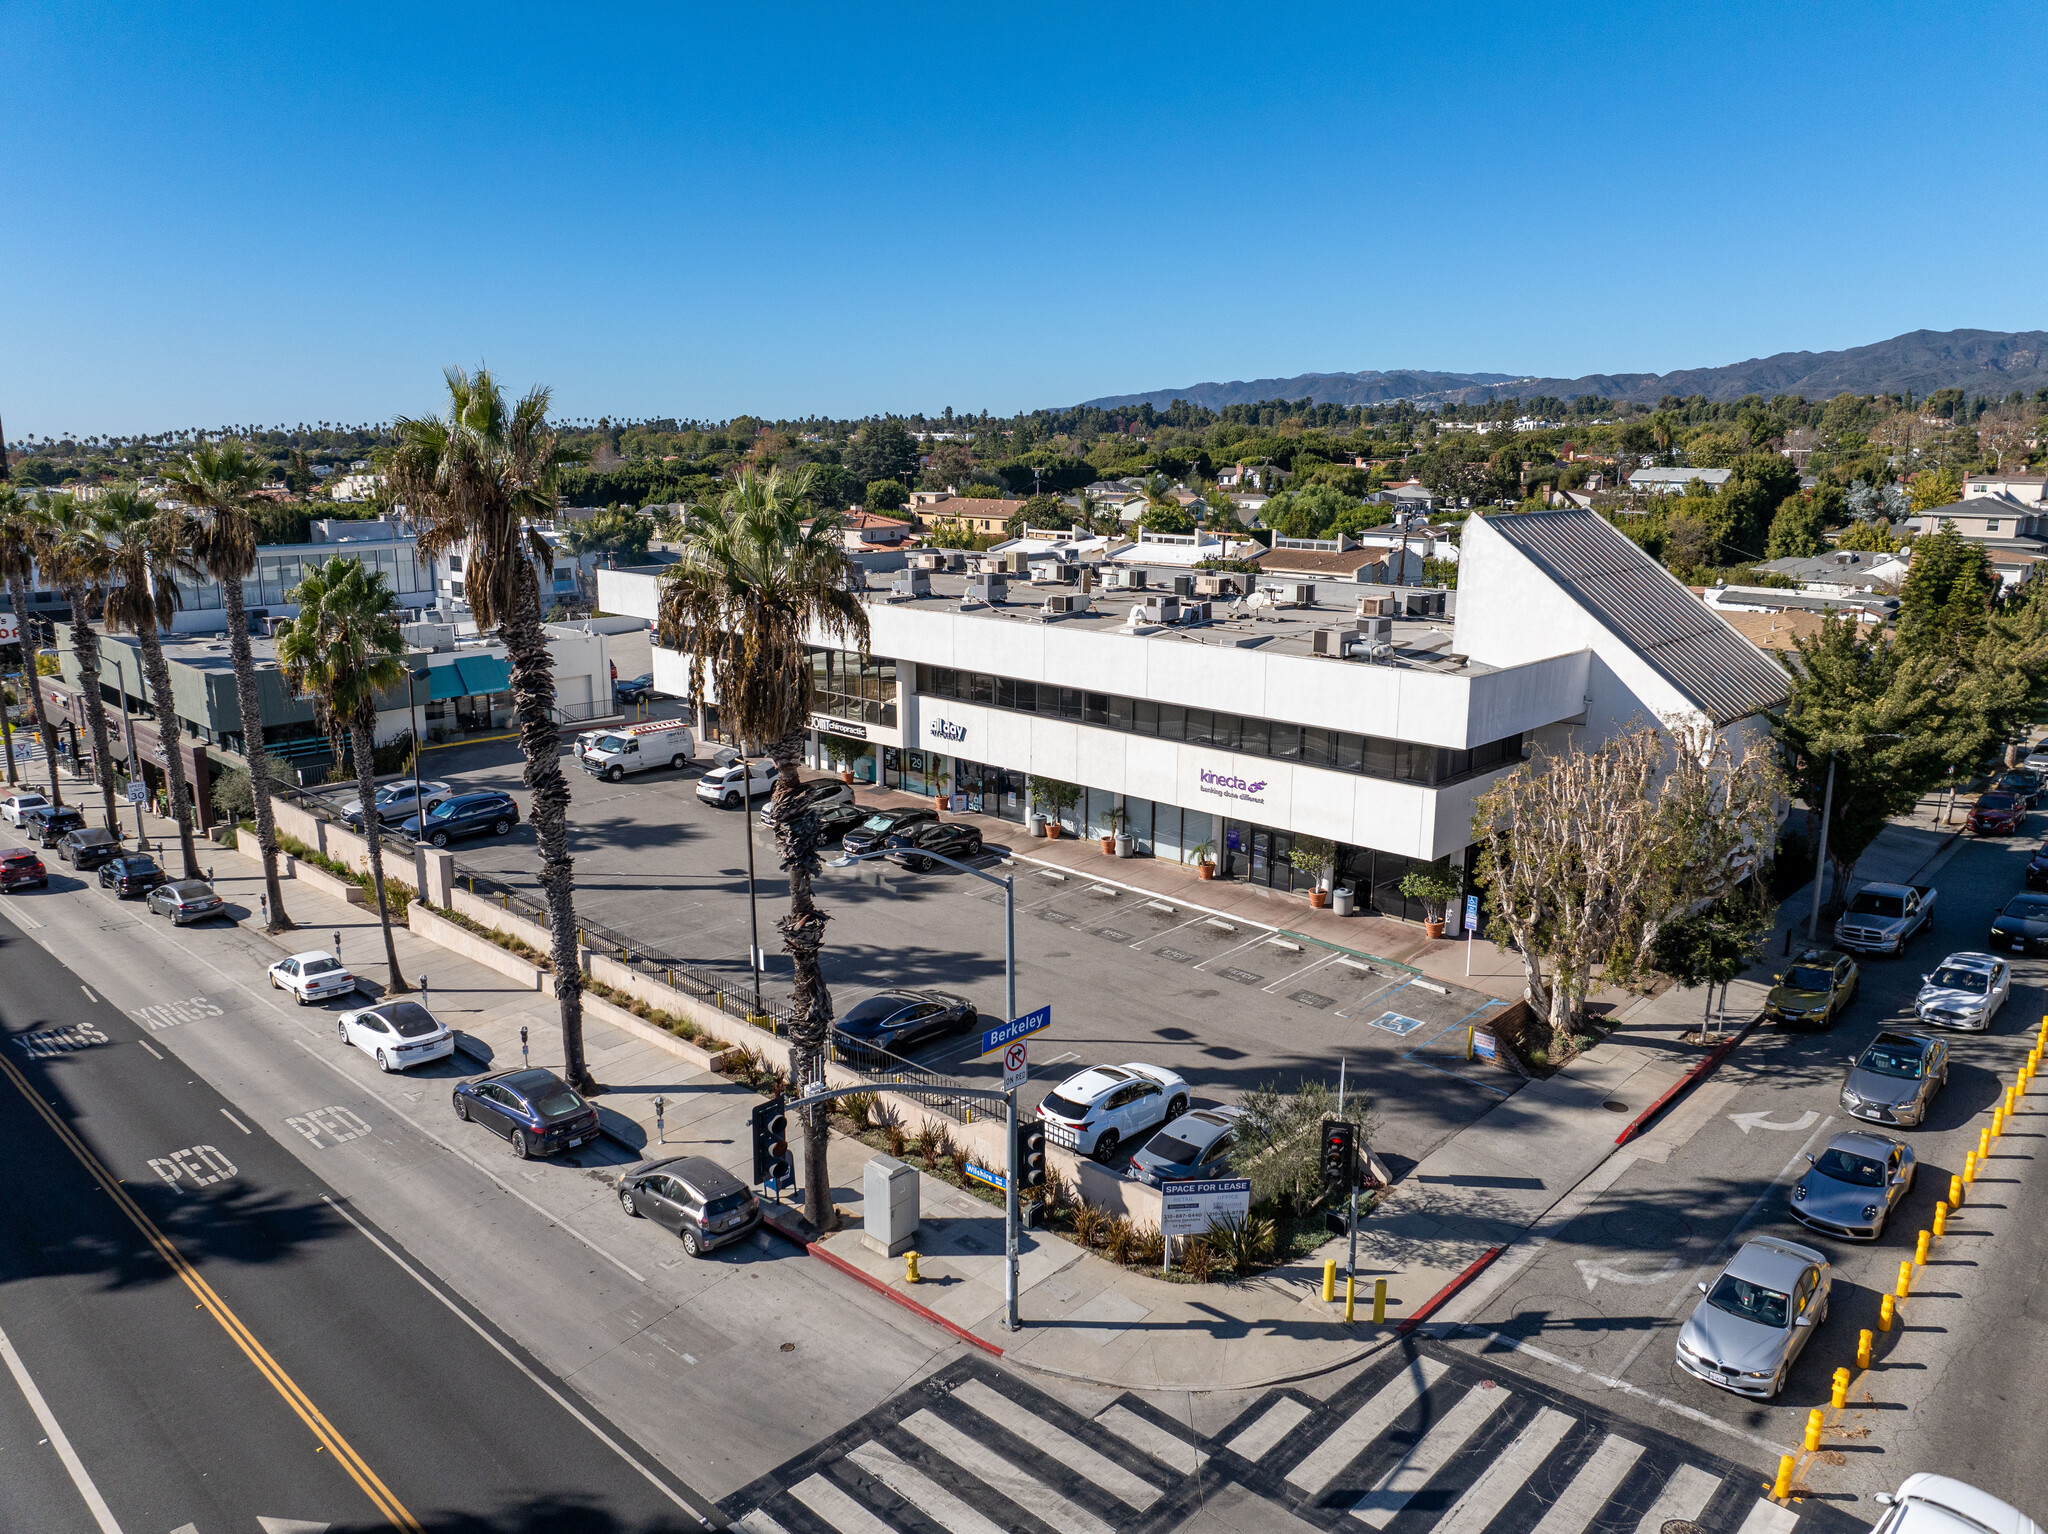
911,583
1183,585
1162,609
1376,628
1123,578
988,588
1084,579
1333,641
1374,607
1016,562
1195,612
1062,606
929,560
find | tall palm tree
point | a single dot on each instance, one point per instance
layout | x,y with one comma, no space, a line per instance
475,478
342,650
17,568
753,585
70,550
149,550
219,482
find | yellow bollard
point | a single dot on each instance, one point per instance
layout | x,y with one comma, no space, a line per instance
1969,1168
1329,1279
1955,1192
1864,1339
1814,1419
1920,1246
1885,1310
1940,1220
1350,1297
1781,1489
1379,1302
1839,1396
910,1268
1997,1122
1984,1142
1905,1279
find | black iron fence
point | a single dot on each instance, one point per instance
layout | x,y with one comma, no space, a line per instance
904,1077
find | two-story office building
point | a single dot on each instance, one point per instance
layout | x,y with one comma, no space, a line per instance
1230,727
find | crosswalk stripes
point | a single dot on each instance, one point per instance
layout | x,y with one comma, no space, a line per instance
1426,1440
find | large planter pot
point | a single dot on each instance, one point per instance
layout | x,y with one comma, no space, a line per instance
846,774
1109,846
938,801
1318,898
1206,870
1123,844
1433,928
1052,830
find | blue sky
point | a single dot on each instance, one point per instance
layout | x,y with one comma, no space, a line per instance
241,213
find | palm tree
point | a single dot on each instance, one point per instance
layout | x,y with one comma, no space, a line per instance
17,567
753,585
219,481
342,650
148,552
475,477
69,549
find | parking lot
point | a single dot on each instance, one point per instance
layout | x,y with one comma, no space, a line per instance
1229,1004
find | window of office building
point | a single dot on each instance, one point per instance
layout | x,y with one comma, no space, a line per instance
845,687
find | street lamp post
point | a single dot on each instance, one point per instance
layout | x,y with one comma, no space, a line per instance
1827,815
128,720
412,702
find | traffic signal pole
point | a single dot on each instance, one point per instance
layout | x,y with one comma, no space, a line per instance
1011,1235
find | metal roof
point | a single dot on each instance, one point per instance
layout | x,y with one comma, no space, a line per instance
1688,644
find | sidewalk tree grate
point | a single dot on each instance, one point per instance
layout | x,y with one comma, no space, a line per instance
1113,935
1173,954
1313,999
1241,976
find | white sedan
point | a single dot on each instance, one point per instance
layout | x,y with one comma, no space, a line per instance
312,976
1965,992
1093,1113
397,1034
15,807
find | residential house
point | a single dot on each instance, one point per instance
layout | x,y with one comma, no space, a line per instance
1340,559
1409,495
1843,572
868,530
1675,481
2027,489
984,517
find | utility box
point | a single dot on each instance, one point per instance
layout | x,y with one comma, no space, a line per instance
889,1192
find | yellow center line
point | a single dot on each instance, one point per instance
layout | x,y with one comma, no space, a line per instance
380,1495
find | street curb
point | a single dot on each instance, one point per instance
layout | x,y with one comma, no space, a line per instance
1713,1058
1430,1306
817,1249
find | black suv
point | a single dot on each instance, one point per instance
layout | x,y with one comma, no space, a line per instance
49,825
873,834
88,847
489,813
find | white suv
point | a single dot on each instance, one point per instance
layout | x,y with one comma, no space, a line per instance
1936,1504
728,786
1093,1113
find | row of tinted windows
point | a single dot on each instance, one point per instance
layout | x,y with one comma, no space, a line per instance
1371,755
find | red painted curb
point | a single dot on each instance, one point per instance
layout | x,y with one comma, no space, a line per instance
1714,1057
1435,1302
817,1249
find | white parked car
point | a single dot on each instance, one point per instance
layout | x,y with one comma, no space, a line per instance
397,1034
395,802
15,807
1965,992
728,787
1936,1504
820,792
1093,1113
313,976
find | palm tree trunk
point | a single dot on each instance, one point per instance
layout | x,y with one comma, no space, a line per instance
17,595
249,705
85,644
533,693
168,735
373,833
803,934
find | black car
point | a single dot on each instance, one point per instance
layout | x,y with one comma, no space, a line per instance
48,826
88,848
535,1110
693,1196
892,1019
130,874
2037,868
835,820
490,813
634,689
2022,927
873,833
913,848
185,900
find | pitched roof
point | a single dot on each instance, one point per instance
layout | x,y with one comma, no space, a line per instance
1348,563
1635,598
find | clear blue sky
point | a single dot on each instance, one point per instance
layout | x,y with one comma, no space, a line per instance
286,212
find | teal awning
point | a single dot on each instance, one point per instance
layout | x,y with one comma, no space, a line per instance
484,674
444,682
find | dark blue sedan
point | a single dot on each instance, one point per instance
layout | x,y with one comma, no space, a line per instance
533,1110
489,813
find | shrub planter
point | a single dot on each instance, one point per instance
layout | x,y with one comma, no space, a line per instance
938,801
1433,928
1319,898
1206,870
846,774
1109,846
1052,830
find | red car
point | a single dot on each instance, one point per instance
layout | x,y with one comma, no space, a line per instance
20,868
1996,815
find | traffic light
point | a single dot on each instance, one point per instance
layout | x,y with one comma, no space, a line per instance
1340,1156
772,1160
1030,1156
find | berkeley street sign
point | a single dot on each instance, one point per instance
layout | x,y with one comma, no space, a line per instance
995,1038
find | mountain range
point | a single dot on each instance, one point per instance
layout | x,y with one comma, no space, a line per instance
1989,362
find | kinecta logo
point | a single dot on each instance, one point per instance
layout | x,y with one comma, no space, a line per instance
1216,780
945,729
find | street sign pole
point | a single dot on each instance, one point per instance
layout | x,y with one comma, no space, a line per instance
1011,1233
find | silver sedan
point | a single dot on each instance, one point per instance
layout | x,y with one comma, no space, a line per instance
1854,1185
1757,1317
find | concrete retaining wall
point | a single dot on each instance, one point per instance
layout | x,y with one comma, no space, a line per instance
600,1010
321,880
440,930
486,913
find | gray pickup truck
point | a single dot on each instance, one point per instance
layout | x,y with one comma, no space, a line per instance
1882,918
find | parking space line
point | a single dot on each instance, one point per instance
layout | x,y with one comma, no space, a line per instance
1305,969
81,1478
1233,948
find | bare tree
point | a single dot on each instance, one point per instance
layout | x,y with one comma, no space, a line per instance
1588,853
2006,431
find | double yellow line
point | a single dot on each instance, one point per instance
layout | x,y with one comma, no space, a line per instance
380,1495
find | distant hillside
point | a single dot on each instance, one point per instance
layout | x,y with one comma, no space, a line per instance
1975,361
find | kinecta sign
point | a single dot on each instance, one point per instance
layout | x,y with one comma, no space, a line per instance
945,729
1225,785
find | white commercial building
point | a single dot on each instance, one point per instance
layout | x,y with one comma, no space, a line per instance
1373,717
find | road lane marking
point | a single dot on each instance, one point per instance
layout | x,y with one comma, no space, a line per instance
88,994
148,1046
1748,1121
514,1360
203,1164
337,1123
301,1404
54,1431
236,1122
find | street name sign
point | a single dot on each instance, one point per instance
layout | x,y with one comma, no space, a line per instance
995,1038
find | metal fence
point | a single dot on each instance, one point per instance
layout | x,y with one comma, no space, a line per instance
904,1077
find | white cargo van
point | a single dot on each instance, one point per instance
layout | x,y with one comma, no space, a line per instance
635,748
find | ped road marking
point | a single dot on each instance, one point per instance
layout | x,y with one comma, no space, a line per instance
387,1505
204,1164
335,1122
102,1514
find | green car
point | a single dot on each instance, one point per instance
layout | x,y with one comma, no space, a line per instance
1815,991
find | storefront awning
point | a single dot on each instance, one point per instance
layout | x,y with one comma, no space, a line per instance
469,676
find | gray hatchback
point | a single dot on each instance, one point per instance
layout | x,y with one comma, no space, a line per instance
693,1196
1895,1078
1757,1317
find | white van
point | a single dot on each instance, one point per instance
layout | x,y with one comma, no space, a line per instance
611,754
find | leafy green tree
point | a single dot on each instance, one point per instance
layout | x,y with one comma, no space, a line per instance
880,450
886,495
71,552
1309,512
1796,531
1750,500
342,651
1935,487
754,586
1167,519
17,568
1869,538
1946,600
1048,511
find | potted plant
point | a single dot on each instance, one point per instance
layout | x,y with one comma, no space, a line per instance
1115,841
843,753
1059,796
1205,859
1316,859
1436,887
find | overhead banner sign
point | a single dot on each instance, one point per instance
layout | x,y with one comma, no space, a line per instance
1031,1022
1189,1208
